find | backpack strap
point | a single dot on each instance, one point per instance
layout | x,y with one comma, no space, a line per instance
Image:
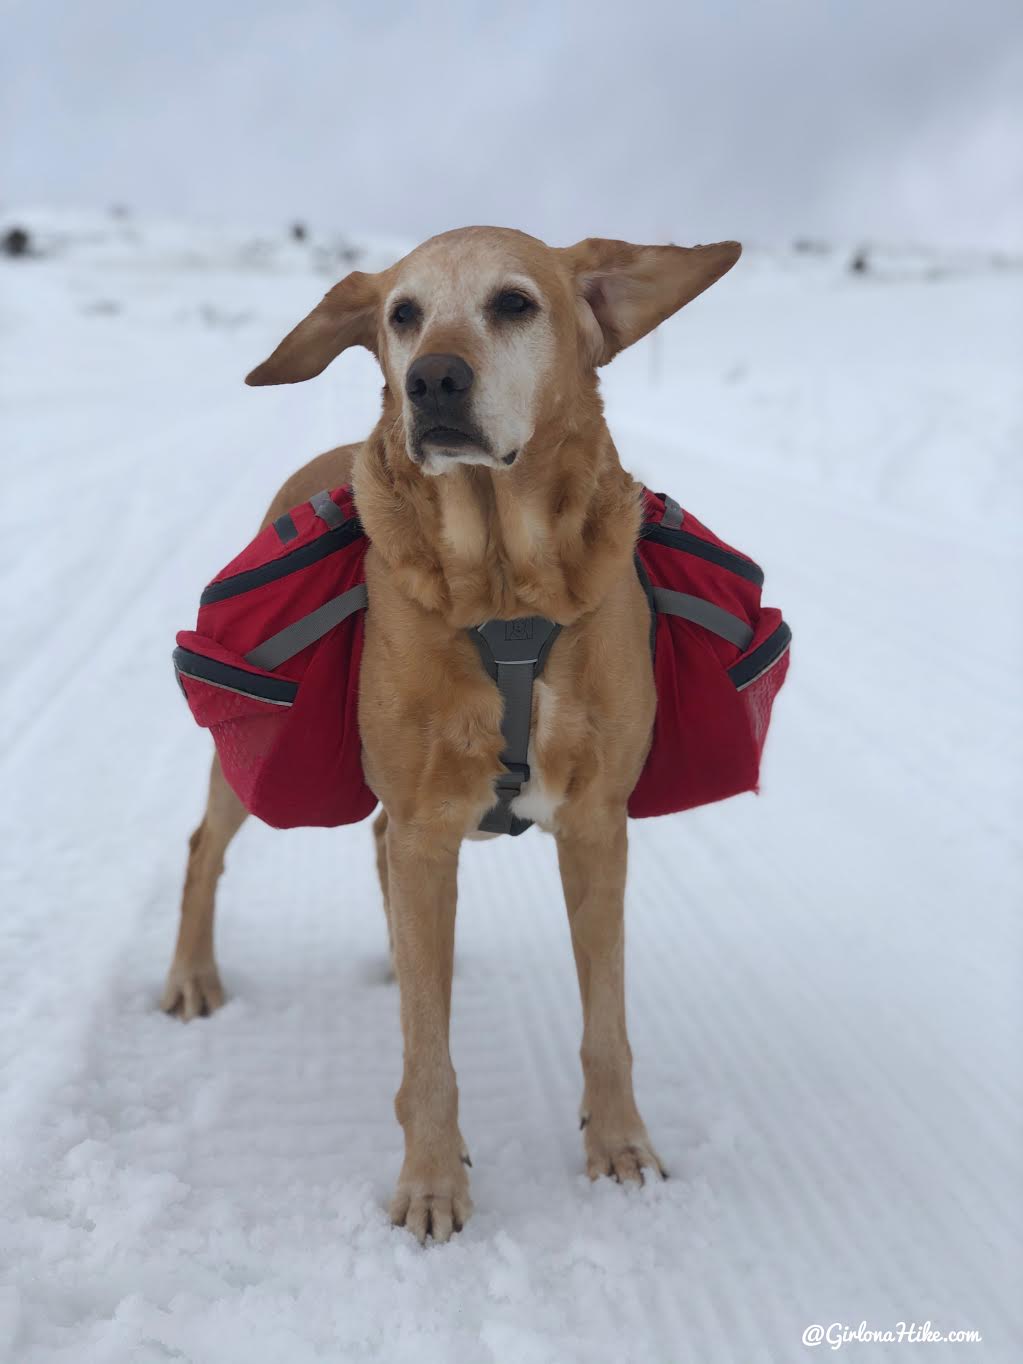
327,509
307,630
673,513
514,653
703,612
286,528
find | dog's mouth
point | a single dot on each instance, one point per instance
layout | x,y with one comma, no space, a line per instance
437,447
451,438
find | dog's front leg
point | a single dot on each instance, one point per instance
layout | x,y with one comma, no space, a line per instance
592,858
433,1190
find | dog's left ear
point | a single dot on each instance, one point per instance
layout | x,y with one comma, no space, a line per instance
346,316
628,290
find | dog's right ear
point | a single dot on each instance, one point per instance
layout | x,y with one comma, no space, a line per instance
346,316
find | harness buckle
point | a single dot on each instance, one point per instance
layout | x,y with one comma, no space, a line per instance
513,778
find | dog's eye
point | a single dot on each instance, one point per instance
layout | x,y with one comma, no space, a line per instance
404,313
513,303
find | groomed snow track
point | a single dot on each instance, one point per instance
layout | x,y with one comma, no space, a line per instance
824,983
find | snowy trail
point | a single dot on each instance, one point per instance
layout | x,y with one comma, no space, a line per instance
824,988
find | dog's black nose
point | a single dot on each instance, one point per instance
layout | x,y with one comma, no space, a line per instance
436,382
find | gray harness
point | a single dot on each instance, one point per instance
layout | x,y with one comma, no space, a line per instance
513,653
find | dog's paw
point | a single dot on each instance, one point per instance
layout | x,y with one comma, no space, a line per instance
192,991
622,1157
436,1207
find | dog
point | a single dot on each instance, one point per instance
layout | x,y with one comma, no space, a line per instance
490,489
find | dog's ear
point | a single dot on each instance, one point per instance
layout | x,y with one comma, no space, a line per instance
628,290
346,316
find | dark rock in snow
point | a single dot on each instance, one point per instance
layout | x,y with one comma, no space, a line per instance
17,242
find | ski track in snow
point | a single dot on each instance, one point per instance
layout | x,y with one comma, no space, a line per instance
824,987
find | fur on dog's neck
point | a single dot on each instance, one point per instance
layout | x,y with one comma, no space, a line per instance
549,537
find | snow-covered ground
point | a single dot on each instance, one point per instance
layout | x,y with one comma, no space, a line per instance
824,983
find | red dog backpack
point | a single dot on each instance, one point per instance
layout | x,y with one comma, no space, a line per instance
283,713
272,667
720,658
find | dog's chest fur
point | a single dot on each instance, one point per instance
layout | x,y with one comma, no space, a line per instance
453,552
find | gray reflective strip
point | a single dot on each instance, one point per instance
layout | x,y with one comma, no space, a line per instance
327,509
301,633
286,528
672,518
705,613
238,691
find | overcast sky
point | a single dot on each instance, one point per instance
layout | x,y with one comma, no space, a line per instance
648,120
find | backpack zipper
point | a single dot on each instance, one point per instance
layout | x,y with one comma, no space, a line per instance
329,543
762,659
693,544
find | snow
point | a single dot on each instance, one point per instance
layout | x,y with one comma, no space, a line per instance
824,983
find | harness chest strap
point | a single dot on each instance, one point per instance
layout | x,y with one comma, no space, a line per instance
514,653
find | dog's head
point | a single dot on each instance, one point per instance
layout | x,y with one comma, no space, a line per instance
484,334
